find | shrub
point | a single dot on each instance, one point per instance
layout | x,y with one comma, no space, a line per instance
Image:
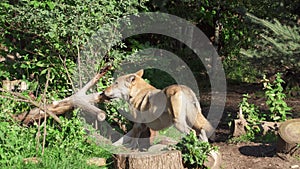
194,152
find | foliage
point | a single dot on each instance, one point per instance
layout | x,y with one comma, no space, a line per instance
194,152
16,143
67,145
40,36
50,35
275,99
252,116
278,44
279,110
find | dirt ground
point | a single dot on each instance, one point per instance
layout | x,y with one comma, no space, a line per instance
250,155
254,156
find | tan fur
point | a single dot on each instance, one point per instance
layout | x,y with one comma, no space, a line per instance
158,109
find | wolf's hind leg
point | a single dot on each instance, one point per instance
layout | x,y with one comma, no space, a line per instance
179,113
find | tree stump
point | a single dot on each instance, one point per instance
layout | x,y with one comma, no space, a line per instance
289,137
149,160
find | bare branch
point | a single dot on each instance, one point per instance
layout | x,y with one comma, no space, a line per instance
84,101
94,80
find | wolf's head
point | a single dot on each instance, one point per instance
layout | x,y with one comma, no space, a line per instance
125,86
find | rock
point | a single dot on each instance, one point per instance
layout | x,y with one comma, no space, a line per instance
96,161
295,166
33,160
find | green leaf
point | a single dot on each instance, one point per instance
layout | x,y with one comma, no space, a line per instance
40,64
43,71
51,5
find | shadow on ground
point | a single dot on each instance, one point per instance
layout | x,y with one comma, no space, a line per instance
258,150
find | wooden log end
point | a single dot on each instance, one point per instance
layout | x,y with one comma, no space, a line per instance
145,160
289,137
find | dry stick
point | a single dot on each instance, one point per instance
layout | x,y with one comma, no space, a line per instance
45,115
38,134
84,101
79,65
39,122
67,71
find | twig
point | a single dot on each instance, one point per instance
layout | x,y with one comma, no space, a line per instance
45,115
94,80
67,71
79,65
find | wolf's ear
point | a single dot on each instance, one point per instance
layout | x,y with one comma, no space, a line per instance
140,73
131,78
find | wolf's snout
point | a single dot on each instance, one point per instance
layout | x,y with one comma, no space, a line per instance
107,92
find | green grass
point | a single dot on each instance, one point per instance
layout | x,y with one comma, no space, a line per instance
60,159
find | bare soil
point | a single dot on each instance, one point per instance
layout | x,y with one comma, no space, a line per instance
255,156
249,155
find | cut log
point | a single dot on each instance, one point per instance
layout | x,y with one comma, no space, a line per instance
289,137
149,160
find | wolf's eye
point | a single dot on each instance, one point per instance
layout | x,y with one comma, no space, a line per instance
116,83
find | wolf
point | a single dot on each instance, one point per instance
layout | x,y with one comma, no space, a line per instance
158,109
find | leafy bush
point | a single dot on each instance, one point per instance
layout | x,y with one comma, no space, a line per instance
194,152
50,35
253,116
279,109
39,36
275,99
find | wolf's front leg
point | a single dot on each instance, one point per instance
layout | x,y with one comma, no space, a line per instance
130,140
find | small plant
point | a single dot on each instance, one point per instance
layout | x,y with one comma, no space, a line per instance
194,152
252,116
278,111
275,99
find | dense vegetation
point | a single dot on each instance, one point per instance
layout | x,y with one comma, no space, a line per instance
40,41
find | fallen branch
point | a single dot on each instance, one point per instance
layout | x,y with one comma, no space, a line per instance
78,100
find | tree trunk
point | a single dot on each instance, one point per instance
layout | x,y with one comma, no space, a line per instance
149,160
289,137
